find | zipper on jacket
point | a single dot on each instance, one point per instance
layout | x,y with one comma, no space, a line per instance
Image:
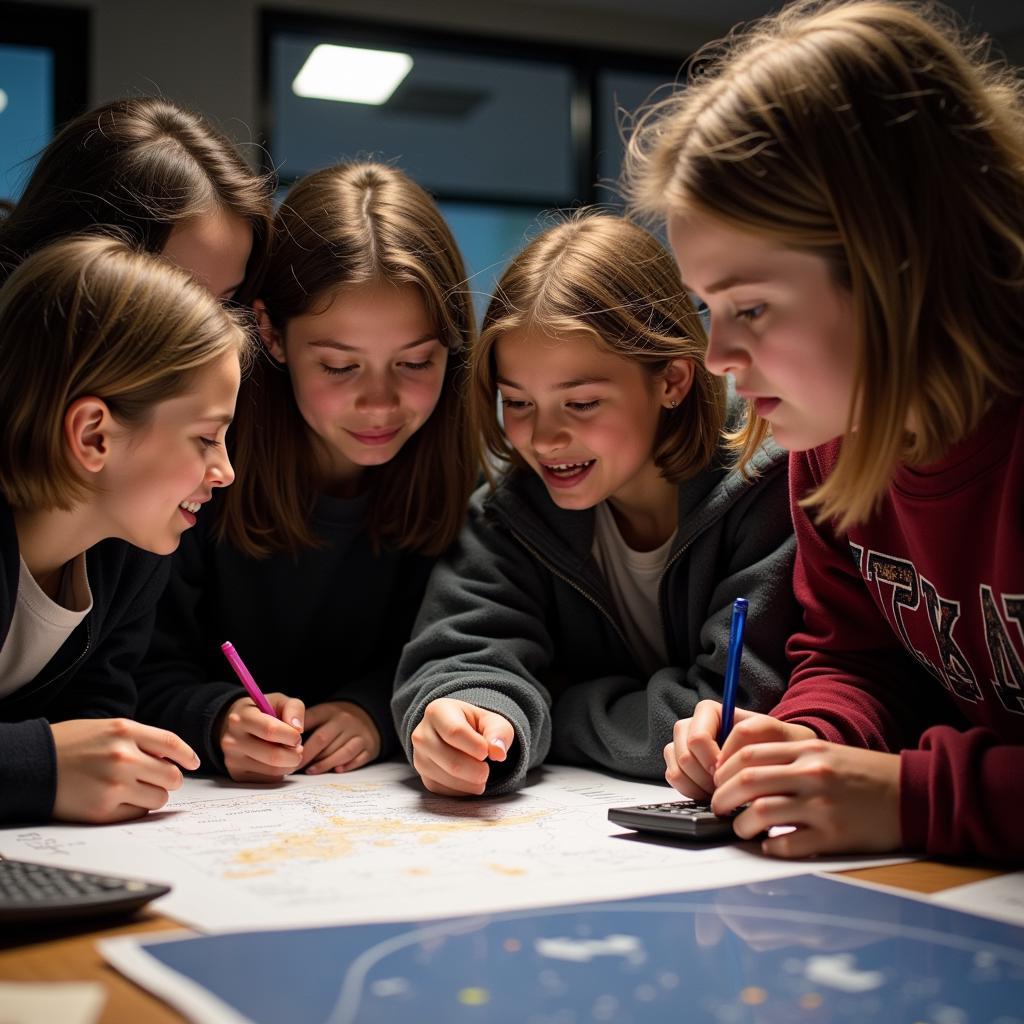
575,586
679,552
668,565
85,650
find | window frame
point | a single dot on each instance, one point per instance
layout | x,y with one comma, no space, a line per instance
67,31
585,65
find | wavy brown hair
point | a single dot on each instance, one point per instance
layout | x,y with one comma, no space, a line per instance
91,316
351,224
604,276
142,165
882,138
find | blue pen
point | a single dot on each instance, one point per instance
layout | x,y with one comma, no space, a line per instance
732,666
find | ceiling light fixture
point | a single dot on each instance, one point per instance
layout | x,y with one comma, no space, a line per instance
351,75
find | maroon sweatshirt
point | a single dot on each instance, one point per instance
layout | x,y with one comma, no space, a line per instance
913,637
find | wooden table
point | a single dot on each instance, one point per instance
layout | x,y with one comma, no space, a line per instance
70,955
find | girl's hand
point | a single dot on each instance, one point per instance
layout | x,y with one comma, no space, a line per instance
693,754
452,744
258,748
113,769
342,737
839,799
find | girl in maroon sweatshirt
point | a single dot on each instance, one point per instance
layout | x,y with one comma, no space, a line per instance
844,187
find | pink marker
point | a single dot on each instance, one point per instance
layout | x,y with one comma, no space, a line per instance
246,679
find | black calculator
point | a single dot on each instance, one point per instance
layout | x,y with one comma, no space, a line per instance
681,818
43,892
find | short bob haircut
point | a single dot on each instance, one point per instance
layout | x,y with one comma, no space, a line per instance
602,275
90,316
876,136
352,224
142,165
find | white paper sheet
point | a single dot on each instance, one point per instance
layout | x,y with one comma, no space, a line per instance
374,846
75,1002
1001,897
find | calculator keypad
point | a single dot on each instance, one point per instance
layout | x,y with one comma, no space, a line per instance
694,810
30,891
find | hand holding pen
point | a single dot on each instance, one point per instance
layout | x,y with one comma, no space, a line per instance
702,744
691,757
260,735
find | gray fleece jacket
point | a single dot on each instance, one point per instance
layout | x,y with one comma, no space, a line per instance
518,619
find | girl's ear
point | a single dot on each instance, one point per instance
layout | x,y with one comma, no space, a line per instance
88,424
270,335
676,382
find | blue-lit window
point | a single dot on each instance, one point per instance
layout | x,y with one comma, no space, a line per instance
44,74
26,112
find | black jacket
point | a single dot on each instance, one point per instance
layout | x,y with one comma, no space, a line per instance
327,625
91,676
518,619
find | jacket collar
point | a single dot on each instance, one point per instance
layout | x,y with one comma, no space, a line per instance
520,501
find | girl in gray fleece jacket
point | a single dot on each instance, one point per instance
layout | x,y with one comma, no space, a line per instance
585,607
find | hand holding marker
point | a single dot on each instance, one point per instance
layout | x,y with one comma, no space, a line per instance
245,676
260,736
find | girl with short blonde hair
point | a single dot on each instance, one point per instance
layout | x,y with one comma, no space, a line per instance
120,378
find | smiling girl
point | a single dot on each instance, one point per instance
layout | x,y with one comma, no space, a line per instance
588,599
120,378
355,466
844,187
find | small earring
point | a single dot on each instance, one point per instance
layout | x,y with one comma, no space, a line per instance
672,404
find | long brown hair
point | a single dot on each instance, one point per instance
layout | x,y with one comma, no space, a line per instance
90,315
142,165
350,224
604,276
880,137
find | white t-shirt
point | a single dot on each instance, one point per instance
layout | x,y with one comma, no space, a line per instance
40,626
633,578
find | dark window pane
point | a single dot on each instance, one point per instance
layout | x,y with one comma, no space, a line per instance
619,91
461,125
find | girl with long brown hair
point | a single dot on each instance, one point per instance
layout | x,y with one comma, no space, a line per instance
844,186
355,464
161,174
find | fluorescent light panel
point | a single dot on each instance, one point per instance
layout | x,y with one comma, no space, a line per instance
351,75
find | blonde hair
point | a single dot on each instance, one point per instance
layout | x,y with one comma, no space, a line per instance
877,136
351,224
89,316
604,276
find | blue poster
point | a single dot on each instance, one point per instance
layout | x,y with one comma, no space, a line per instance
804,949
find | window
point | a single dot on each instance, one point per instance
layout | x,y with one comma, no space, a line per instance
498,131
43,75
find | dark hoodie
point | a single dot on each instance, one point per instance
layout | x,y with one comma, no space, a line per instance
518,619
